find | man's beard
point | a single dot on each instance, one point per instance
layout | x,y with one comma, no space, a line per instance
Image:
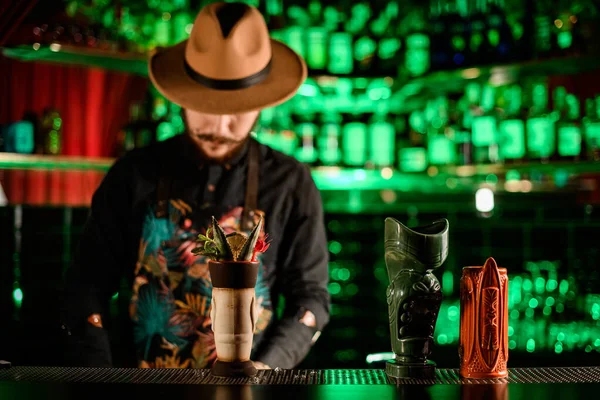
216,139
205,145
209,138
212,138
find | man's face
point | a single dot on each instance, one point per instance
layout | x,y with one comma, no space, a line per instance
219,136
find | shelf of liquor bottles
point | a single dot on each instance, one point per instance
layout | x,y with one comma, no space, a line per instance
361,122
59,53
425,97
407,93
436,43
61,180
521,137
378,38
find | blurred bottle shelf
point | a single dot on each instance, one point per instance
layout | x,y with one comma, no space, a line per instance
136,62
44,162
533,177
426,86
441,82
113,60
560,167
129,62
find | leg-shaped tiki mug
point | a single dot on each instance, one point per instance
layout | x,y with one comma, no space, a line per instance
414,295
233,316
483,348
233,272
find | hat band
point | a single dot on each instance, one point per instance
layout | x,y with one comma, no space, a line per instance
228,84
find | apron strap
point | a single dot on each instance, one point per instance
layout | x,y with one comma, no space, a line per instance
165,182
251,200
163,189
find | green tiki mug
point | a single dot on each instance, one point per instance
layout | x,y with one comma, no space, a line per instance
414,295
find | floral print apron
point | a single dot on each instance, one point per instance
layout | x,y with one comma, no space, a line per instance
171,298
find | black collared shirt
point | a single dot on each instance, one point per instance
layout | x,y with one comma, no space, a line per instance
295,264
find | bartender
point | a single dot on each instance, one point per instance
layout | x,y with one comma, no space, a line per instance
154,201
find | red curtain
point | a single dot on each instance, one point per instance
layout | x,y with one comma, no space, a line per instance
94,106
93,103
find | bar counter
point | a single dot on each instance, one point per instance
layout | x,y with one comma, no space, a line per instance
372,384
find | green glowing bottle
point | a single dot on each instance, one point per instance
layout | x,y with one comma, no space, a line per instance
540,125
592,128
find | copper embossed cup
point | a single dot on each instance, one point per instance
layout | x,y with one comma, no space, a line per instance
483,348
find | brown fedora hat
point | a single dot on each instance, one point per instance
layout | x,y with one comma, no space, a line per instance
229,64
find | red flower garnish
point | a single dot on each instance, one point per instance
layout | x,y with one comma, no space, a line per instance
261,246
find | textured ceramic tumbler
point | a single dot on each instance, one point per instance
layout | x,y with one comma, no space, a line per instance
483,348
414,294
233,315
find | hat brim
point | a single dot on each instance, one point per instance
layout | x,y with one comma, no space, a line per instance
167,72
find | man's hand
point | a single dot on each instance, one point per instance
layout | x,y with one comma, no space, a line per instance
259,365
95,320
308,319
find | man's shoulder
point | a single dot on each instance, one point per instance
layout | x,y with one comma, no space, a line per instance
279,159
288,173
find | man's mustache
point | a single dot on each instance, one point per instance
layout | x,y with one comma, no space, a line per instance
211,137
